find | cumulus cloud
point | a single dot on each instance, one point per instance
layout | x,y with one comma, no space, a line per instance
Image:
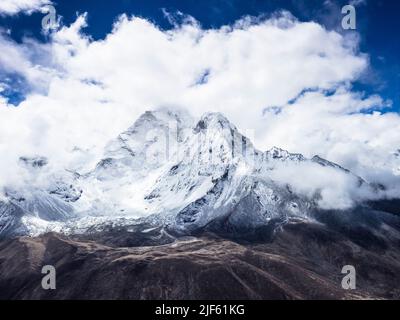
29,60
289,81
342,128
12,7
332,189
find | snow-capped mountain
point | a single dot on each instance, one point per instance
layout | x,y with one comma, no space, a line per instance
171,170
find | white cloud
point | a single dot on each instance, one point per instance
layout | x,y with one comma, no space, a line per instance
29,60
358,2
336,128
85,92
336,189
12,7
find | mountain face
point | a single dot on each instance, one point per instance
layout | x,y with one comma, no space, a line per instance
178,208
173,171
304,261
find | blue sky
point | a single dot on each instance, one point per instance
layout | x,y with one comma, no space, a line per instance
289,77
378,24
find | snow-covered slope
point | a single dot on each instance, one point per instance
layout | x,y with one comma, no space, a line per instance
175,171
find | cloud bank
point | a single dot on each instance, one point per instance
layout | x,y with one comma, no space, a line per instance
287,81
12,7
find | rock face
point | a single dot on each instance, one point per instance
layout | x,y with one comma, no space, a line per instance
303,261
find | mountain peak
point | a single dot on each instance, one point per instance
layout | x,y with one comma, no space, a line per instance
213,120
34,162
278,153
162,117
326,163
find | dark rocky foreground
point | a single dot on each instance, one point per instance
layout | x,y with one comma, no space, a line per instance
303,261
